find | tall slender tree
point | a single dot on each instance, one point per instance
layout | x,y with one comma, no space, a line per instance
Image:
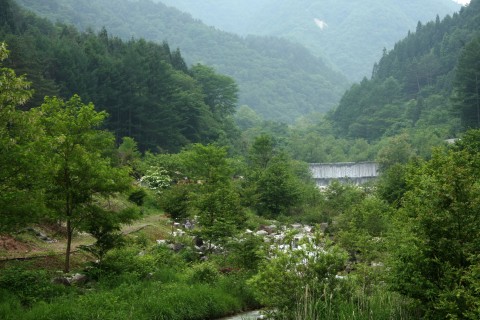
81,163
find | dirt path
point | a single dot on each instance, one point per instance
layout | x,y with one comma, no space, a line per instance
26,245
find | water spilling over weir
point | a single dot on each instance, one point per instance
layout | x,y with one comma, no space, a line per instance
352,172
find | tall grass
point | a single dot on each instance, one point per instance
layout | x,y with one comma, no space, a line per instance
377,305
127,285
145,300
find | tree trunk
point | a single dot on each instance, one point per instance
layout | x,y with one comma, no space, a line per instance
69,246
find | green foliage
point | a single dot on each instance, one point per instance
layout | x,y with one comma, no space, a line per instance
435,247
220,91
279,79
175,202
245,253
362,228
127,260
129,155
412,86
29,286
204,273
273,184
216,200
21,164
467,84
220,213
262,151
9,305
80,165
207,163
277,189
246,118
137,196
298,270
144,300
341,40
105,226
340,198
392,184
156,179
396,150
147,89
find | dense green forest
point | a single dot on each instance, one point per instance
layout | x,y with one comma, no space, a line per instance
353,33
147,89
278,79
132,186
418,85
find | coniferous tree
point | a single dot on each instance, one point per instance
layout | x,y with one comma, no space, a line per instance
467,85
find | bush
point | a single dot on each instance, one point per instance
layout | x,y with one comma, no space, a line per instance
297,270
125,260
245,253
138,196
175,201
204,273
29,285
9,305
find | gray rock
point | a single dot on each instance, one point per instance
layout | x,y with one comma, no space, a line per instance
296,226
323,227
61,280
78,278
261,233
176,246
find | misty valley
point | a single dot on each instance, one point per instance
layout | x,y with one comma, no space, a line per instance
302,159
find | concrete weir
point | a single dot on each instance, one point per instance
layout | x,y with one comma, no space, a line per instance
352,172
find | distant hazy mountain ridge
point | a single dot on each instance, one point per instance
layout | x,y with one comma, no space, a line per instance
350,34
277,78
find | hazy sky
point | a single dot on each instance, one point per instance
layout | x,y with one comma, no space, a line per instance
462,1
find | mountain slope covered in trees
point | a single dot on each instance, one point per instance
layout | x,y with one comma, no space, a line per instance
280,80
147,89
429,80
350,34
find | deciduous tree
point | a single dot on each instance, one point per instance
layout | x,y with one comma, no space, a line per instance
20,167
81,166
435,247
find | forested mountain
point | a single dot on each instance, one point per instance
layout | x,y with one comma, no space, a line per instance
429,80
278,79
349,33
147,89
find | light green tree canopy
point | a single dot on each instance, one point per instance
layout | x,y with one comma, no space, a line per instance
20,168
81,167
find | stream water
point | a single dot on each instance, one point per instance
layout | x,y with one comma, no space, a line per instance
251,315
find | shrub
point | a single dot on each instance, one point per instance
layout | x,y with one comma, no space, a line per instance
137,196
297,270
204,273
9,305
29,285
125,260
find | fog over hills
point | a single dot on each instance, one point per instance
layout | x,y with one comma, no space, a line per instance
279,79
350,34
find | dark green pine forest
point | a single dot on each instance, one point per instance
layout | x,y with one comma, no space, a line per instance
148,90
138,184
426,81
